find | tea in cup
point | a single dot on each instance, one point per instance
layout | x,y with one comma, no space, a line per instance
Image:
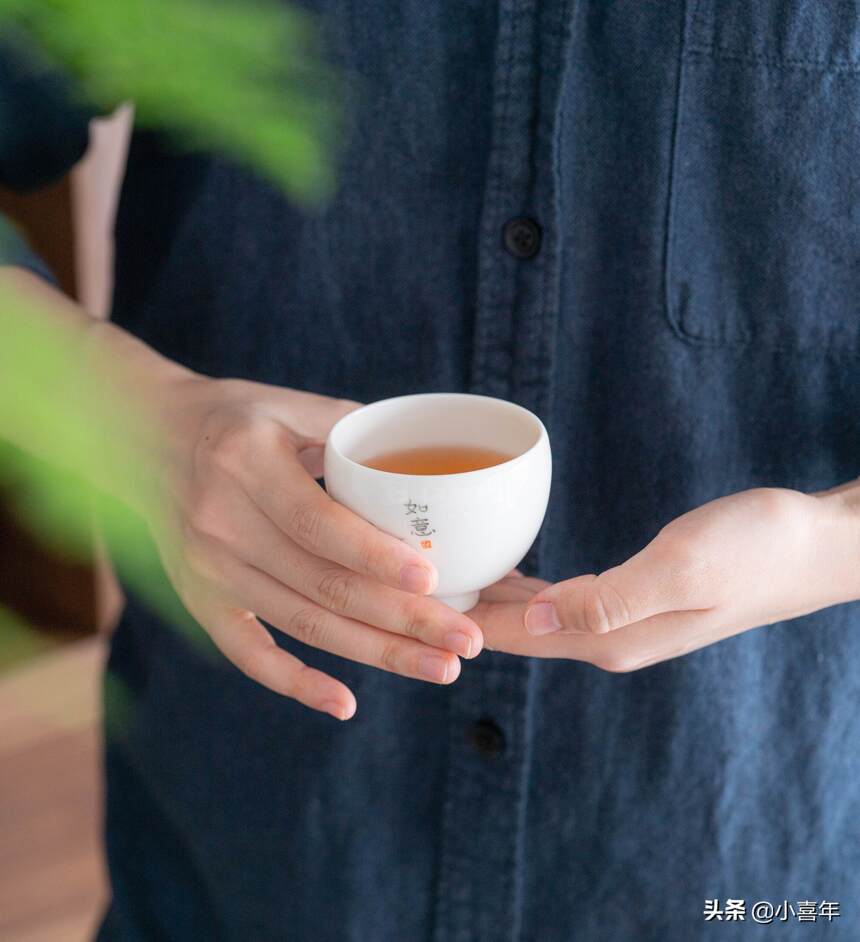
463,478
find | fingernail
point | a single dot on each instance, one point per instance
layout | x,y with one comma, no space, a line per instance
541,619
337,710
416,579
433,667
459,643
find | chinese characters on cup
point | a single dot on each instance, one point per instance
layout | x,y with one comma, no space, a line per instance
419,525
765,912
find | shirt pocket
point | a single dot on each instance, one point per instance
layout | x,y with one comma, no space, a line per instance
763,236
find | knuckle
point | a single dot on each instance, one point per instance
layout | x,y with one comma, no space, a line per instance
772,501
235,443
204,512
251,661
229,449
413,618
615,660
309,625
783,508
597,609
305,522
616,611
337,590
372,557
594,614
389,658
302,682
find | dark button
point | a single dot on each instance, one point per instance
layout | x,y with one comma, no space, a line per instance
487,738
522,237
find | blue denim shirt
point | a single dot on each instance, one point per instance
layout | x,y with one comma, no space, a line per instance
686,325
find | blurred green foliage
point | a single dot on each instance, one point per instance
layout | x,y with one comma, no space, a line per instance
90,447
53,403
242,77
245,79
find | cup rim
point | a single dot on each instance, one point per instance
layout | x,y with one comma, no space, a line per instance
541,429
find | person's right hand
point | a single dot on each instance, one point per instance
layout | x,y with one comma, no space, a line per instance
223,471
251,535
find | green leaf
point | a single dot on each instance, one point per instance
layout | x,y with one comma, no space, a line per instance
245,79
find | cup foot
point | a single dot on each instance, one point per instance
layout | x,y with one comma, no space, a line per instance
461,603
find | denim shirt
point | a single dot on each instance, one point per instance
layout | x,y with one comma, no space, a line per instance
641,221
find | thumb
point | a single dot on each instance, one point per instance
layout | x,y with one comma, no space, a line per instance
644,585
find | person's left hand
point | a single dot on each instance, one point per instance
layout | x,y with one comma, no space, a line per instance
750,559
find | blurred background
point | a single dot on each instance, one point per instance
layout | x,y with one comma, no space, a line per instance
251,84
58,612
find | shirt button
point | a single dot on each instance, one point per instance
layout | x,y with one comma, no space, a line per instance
521,237
487,738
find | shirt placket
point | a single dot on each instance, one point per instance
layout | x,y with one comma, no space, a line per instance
479,897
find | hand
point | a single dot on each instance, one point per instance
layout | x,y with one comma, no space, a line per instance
251,533
223,472
750,559
501,610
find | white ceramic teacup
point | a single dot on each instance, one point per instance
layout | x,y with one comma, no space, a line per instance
475,526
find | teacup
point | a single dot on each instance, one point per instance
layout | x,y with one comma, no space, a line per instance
475,526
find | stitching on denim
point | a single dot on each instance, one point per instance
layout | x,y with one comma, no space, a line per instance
503,160
441,910
489,229
772,62
672,313
536,364
742,338
523,743
700,27
551,261
672,316
510,63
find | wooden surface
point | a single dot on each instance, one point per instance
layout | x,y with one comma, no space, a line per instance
52,882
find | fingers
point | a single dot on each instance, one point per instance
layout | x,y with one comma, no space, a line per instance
630,648
513,589
262,456
365,600
321,628
245,642
652,582
501,622
247,533
307,515
647,642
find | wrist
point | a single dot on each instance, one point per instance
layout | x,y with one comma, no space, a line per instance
125,364
155,388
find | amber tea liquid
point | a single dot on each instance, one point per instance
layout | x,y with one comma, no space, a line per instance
437,459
